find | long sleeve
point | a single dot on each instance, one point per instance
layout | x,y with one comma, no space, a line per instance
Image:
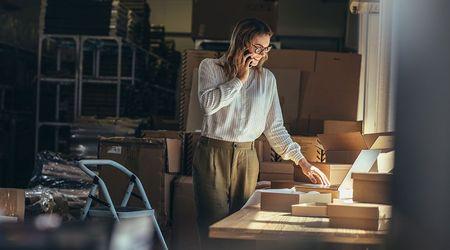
277,135
212,94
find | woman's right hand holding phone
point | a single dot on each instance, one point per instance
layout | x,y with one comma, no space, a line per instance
244,69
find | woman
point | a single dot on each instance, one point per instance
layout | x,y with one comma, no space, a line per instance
239,100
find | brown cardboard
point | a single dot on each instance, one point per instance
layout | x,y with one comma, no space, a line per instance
308,126
271,171
359,211
314,209
208,21
307,187
171,134
12,203
278,202
147,159
281,184
174,144
288,67
364,224
195,113
345,147
372,187
288,86
283,201
184,215
310,147
335,127
341,157
284,167
276,177
190,61
334,172
354,141
302,60
332,91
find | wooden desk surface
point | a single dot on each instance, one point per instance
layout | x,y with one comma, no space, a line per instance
253,224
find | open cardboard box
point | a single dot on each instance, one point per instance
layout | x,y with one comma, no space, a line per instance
363,163
281,200
343,147
334,172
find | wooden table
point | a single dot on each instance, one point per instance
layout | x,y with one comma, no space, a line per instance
253,224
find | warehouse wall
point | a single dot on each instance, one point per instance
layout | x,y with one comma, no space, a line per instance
301,24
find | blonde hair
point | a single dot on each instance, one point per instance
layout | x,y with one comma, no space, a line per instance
243,33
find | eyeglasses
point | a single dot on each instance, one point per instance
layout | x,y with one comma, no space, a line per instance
260,49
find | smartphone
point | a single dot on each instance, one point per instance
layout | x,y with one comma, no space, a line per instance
246,52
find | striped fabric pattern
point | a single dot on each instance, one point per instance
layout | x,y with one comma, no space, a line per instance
240,112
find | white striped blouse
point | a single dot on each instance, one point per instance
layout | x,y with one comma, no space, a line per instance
241,112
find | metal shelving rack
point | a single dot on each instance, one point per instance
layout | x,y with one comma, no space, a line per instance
80,44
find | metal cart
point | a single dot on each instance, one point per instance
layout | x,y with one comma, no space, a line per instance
108,210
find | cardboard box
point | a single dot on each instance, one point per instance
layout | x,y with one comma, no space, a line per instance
364,224
308,126
332,90
336,127
277,184
372,187
363,163
282,171
174,144
341,156
276,177
185,235
308,187
12,203
207,25
359,215
282,201
334,172
190,62
314,209
344,147
147,158
355,141
288,67
310,147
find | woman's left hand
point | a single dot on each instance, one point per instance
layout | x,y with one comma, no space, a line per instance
313,173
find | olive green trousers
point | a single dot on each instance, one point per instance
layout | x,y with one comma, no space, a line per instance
224,176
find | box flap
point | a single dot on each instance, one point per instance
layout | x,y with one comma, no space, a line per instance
379,140
363,163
